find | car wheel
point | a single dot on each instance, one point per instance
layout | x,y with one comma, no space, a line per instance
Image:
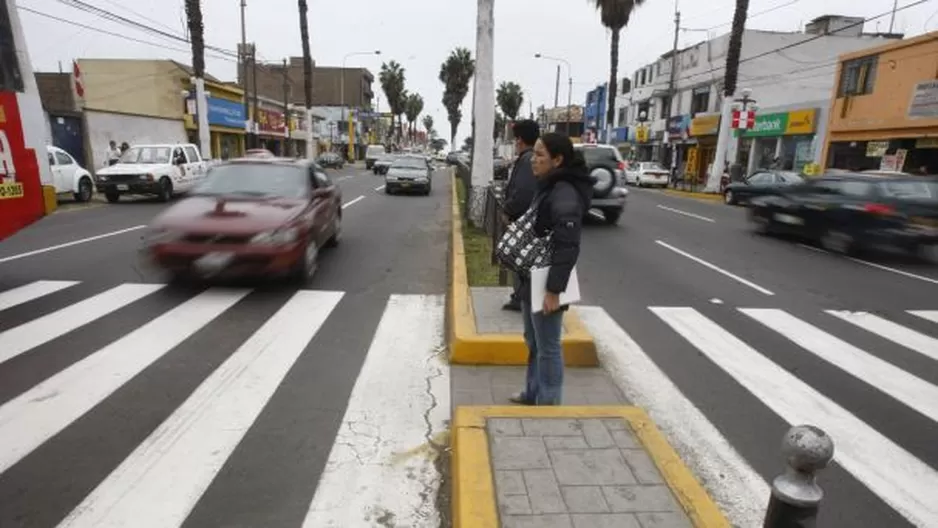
837,241
112,197
85,190
612,216
166,189
336,232
309,263
729,198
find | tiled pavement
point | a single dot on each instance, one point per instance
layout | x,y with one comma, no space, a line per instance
490,318
486,385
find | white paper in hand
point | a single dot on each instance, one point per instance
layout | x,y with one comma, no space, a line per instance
539,288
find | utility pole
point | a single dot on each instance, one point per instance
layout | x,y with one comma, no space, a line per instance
892,19
557,88
248,122
254,88
672,80
286,109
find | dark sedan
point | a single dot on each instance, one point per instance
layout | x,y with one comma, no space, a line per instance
331,160
381,165
760,183
408,174
258,217
850,212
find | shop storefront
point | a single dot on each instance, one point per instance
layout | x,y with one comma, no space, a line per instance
271,131
226,124
702,133
782,140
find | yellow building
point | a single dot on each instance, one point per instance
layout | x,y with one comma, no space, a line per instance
226,118
884,109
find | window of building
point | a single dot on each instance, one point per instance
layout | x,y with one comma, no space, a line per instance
857,76
651,73
644,74
623,116
665,105
700,100
644,107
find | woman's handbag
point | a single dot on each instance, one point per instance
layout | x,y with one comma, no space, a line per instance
520,249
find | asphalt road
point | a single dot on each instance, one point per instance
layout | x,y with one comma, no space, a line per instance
391,245
702,259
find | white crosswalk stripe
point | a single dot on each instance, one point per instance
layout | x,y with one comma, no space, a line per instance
873,457
161,481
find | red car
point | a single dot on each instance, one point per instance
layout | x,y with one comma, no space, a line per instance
251,217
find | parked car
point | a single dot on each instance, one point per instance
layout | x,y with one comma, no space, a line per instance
161,170
500,168
331,160
258,217
759,183
68,176
381,165
606,168
408,174
372,154
849,212
647,174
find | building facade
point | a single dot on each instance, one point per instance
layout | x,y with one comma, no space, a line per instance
62,112
884,108
594,114
226,118
784,71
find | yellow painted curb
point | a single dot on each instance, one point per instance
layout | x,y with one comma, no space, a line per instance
50,201
696,195
473,501
467,347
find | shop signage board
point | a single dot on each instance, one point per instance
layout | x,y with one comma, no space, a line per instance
924,102
20,188
270,122
798,122
705,125
222,112
678,127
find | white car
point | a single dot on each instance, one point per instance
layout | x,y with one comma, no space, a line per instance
162,170
68,176
647,174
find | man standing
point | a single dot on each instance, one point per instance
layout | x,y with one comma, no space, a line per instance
519,193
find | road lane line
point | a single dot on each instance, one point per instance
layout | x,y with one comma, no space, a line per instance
898,477
27,336
379,188
370,465
40,413
162,480
894,270
353,201
31,291
911,339
812,248
715,268
69,244
930,315
881,375
734,484
685,213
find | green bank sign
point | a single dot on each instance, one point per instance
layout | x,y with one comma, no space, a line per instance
768,125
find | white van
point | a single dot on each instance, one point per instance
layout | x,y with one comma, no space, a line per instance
372,153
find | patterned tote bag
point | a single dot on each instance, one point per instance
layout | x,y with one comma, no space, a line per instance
520,249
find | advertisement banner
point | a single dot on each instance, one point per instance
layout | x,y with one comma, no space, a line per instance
222,112
705,125
767,125
270,122
801,122
20,189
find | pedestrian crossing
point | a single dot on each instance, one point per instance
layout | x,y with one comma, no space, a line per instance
888,358
381,454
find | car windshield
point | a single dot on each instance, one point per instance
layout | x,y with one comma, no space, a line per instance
409,163
146,155
910,189
594,155
266,180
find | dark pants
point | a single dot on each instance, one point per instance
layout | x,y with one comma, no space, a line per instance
516,288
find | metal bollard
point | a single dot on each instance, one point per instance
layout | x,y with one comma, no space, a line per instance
796,496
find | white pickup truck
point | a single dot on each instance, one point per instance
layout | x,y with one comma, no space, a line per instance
161,170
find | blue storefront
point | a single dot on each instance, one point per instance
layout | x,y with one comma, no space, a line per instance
594,113
226,121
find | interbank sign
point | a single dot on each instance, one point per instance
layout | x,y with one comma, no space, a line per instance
784,124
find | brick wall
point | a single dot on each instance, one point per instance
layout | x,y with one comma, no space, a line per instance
326,83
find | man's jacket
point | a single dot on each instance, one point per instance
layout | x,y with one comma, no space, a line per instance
522,185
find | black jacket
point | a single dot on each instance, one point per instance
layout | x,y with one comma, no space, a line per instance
564,196
522,185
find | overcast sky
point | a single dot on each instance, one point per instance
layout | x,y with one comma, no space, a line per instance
420,34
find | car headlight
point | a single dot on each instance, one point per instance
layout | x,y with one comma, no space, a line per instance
421,179
161,236
279,236
102,177
390,177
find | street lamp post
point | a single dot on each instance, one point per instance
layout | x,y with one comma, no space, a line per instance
569,87
351,130
642,119
743,103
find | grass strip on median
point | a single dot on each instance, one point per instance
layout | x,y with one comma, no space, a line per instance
478,247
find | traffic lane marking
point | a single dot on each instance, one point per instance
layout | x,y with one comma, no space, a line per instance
685,213
353,201
11,258
715,268
379,188
882,267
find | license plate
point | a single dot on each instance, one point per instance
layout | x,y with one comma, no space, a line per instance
214,261
788,219
405,185
123,187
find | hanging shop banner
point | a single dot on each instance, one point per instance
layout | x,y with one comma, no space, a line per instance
797,122
705,125
270,122
801,122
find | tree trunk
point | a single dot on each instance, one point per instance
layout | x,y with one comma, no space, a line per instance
613,87
307,80
197,41
483,109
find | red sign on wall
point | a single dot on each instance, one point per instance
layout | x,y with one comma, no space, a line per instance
270,122
20,188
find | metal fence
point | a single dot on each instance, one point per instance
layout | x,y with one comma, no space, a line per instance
494,227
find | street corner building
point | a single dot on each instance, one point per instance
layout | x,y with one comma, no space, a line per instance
884,108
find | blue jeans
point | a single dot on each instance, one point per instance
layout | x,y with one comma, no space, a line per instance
542,333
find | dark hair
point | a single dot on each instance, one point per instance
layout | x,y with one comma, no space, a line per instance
560,145
527,131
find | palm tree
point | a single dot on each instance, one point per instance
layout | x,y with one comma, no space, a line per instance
197,41
455,73
428,125
307,74
392,78
413,107
734,48
509,97
500,123
615,15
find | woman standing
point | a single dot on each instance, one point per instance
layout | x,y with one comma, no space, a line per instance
564,189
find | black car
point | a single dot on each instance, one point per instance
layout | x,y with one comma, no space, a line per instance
759,183
607,169
408,174
331,160
848,212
